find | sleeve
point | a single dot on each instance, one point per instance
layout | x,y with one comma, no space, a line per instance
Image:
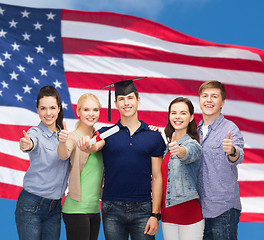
70,143
159,146
33,134
238,143
193,152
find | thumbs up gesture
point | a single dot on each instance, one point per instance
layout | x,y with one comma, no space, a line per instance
25,143
63,135
174,146
228,144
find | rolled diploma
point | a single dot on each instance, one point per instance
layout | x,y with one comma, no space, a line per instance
105,134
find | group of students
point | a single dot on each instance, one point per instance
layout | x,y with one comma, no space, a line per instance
190,184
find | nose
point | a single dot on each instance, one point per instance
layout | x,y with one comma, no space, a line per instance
48,111
126,101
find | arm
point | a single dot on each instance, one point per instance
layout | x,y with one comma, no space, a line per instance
83,144
233,146
152,225
62,149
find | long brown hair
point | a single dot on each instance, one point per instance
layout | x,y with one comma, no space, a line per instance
49,91
192,127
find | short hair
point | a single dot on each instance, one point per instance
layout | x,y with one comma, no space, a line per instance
136,94
213,84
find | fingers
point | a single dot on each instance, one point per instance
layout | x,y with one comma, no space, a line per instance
228,144
83,143
173,137
25,142
25,135
152,226
174,148
63,136
229,135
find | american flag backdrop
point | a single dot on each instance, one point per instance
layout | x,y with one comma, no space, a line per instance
79,52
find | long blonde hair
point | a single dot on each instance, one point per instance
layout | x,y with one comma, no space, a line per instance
82,99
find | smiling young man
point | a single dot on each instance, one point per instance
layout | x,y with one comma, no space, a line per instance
132,157
222,147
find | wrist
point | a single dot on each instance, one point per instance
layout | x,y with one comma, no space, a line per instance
234,153
156,215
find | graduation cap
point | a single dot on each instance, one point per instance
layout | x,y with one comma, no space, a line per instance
121,88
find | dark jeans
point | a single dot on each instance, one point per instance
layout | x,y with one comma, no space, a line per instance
223,227
121,219
82,226
37,218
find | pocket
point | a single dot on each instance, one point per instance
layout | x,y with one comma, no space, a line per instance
146,207
106,206
27,207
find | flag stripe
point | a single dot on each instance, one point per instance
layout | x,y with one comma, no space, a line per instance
108,49
127,67
137,35
251,188
9,191
180,86
13,162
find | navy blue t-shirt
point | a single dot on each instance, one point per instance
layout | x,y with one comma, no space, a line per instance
127,163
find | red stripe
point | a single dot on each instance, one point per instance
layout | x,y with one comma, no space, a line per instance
161,86
13,162
251,188
107,49
144,26
160,119
252,217
9,191
253,155
12,132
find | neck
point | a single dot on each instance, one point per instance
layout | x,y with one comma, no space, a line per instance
85,130
132,123
209,119
179,134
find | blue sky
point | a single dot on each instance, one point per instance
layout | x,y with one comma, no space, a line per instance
238,22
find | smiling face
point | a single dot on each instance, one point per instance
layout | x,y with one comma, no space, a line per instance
89,112
180,117
127,105
211,103
48,111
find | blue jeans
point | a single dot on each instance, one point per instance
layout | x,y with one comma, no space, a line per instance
223,227
121,219
37,218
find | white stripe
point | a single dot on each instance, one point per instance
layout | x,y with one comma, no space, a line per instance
160,102
250,172
252,204
10,176
12,148
144,68
99,32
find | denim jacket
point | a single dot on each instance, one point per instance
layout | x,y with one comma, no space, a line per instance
183,173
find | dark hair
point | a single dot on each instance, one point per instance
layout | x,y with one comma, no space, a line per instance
49,91
213,84
192,127
136,94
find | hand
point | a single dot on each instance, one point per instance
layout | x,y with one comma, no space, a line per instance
154,128
152,226
83,143
64,134
25,142
174,146
228,144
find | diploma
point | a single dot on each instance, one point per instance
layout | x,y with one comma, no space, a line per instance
104,135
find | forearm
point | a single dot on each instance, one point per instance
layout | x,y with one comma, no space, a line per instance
156,193
63,151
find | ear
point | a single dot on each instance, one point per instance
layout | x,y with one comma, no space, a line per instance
138,100
223,103
192,117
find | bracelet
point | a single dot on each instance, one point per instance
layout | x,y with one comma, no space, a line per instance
234,153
